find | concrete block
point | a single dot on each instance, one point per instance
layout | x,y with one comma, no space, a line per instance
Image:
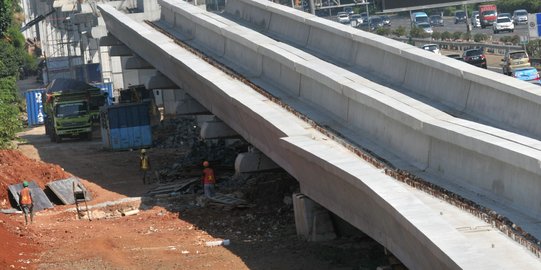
109,40
120,50
216,129
322,226
159,81
253,162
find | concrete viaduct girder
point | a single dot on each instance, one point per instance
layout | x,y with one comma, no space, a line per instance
370,200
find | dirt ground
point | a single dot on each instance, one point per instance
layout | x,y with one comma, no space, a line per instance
167,233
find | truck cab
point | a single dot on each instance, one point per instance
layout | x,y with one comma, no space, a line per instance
70,109
419,17
487,15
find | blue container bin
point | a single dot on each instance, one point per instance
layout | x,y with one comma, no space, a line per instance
106,88
126,126
34,106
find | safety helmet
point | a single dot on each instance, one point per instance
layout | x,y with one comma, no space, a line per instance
143,151
205,163
25,184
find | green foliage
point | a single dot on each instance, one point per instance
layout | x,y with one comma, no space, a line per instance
10,123
436,35
399,31
510,39
383,31
532,6
466,36
534,48
457,35
446,35
417,32
480,37
6,13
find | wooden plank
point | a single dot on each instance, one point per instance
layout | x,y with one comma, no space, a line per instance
40,200
63,189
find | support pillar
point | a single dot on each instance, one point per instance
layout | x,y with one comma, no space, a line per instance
312,221
216,129
253,161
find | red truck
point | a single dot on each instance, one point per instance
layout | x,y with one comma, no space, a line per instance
487,15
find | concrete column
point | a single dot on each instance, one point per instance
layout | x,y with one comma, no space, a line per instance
159,81
177,101
253,161
216,129
312,221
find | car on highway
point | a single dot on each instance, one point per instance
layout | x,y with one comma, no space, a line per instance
460,16
364,16
432,48
386,20
426,27
503,24
374,23
349,10
475,22
475,57
342,17
355,20
520,16
513,60
528,74
508,15
436,20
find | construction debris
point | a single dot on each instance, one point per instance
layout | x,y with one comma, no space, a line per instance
63,189
39,198
173,188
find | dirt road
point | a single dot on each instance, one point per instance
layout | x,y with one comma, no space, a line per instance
167,233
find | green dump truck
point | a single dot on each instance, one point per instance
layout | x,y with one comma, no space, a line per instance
71,107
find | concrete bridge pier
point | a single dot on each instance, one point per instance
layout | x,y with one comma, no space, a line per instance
312,221
216,129
253,161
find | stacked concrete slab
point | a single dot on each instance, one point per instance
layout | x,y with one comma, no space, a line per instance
510,104
331,175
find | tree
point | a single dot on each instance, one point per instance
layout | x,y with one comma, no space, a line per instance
457,35
6,15
10,123
446,35
534,48
436,35
399,31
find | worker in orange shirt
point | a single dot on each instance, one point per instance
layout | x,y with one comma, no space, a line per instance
25,202
208,180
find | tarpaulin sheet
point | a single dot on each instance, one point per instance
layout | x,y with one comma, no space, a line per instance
39,198
63,189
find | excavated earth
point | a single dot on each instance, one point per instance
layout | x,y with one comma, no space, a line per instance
167,232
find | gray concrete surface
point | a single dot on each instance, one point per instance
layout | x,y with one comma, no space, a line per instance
464,89
369,199
499,165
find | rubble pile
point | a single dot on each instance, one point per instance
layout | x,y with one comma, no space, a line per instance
183,133
176,132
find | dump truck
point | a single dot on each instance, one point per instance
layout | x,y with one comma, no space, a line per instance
487,15
71,107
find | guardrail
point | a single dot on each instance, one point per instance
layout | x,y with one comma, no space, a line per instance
462,46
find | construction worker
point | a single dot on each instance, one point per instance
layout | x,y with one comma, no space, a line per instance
25,202
144,165
208,180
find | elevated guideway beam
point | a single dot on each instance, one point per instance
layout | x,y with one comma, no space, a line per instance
457,87
497,169
346,184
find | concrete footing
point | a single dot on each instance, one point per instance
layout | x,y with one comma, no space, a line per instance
312,221
120,50
159,81
217,129
253,161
